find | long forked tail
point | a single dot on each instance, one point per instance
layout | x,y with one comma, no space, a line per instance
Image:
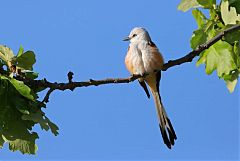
166,128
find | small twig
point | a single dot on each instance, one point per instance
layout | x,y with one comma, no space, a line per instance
70,76
46,98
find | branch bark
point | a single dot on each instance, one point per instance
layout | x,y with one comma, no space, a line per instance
71,85
189,57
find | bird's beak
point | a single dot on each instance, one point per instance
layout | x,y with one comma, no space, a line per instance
126,39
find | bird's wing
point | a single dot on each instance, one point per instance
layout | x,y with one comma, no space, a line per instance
157,60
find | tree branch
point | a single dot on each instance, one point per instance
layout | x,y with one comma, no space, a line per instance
46,98
189,57
71,85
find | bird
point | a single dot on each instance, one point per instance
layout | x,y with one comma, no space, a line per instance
143,58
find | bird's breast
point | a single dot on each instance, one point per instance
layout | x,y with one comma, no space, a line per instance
142,58
134,60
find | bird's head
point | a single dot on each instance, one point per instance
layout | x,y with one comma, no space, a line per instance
138,34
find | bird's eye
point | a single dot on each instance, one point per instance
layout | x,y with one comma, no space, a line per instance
134,35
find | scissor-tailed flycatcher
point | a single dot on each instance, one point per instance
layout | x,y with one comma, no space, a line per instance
143,57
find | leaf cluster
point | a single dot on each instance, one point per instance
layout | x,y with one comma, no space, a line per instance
223,56
19,108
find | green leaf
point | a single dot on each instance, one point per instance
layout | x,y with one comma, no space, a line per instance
15,131
26,60
213,14
25,146
199,17
187,4
232,37
20,103
20,51
229,16
54,128
207,29
231,80
1,140
207,3
236,49
236,4
231,85
45,123
14,127
23,89
199,37
212,32
202,59
37,117
218,57
205,32
1,64
6,54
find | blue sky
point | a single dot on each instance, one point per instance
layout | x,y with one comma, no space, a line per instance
118,122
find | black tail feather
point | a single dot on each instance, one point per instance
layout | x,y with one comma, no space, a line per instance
143,84
165,137
171,129
168,133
